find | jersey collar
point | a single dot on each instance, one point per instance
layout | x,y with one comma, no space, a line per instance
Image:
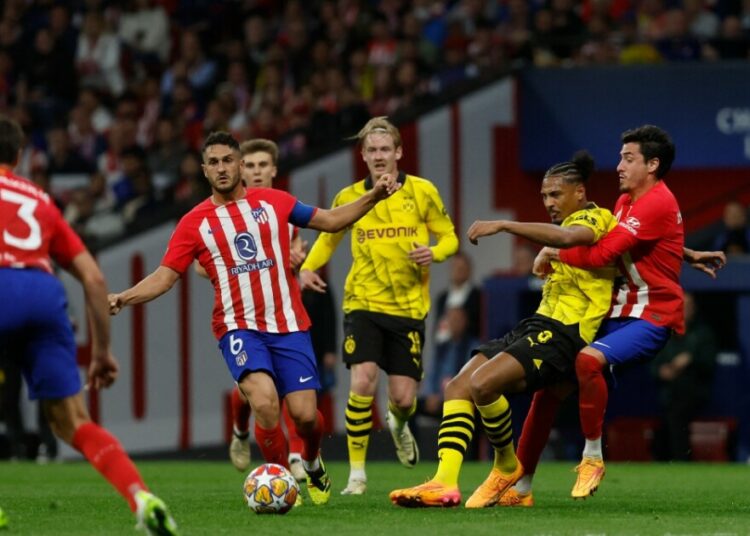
401,179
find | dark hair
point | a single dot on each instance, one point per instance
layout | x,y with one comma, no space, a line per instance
577,170
220,137
11,138
655,143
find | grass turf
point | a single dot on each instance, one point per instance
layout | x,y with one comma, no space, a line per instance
206,499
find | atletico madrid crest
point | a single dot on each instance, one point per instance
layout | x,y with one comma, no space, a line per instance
260,215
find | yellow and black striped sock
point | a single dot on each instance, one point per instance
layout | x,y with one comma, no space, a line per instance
454,437
497,424
401,417
358,426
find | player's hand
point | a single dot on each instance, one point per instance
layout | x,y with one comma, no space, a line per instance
103,370
115,303
708,262
297,255
542,267
310,280
422,255
481,228
385,186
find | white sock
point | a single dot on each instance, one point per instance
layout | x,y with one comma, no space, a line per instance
523,486
593,448
295,457
394,423
240,435
357,474
312,466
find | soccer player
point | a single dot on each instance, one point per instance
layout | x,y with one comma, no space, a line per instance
386,296
537,353
33,318
241,237
647,246
258,168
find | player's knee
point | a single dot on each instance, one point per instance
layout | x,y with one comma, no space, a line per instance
457,388
482,388
587,366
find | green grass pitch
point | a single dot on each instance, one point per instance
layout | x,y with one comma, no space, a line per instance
206,499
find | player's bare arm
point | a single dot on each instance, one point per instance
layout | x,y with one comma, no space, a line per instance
546,234
103,368
150,287
200,270
309,280
542,261
336,219
708,262
297,252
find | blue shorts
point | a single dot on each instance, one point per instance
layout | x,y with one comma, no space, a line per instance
630,340
35,330
287,357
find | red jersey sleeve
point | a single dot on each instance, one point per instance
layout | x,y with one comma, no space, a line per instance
182,247
642,221
65,244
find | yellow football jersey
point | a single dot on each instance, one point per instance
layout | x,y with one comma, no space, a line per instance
382,279
574,295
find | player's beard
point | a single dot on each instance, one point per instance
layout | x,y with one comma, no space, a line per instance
227,188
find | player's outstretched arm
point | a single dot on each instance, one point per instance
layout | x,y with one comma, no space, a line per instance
708,262
103,368
336,219
150,287
545,234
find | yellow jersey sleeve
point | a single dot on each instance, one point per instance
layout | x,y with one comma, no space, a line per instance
577,296
440,225
324,245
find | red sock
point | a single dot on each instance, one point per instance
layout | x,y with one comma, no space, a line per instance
311,439
295,441
105,453
240,411
273,445
592,395
536,429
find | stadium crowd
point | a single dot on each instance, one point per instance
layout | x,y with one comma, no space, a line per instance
116,96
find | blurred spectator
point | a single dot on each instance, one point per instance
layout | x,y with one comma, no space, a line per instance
702,22
731,44
684,370
192,186
167,151
734,237
677,44
93,227
144,27
449,356
49,77
461,292
191,65
62,158
98,56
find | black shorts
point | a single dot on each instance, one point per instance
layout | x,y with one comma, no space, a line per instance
393,342
546,348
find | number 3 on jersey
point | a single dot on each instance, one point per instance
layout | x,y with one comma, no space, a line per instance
26,213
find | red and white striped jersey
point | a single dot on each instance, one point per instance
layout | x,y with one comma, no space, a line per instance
244,247
647,246
32,230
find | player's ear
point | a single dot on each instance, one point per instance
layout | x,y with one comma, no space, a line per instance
399,152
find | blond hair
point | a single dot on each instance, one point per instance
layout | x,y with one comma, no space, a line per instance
260,145
380,125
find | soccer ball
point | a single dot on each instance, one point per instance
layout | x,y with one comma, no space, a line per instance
270,489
